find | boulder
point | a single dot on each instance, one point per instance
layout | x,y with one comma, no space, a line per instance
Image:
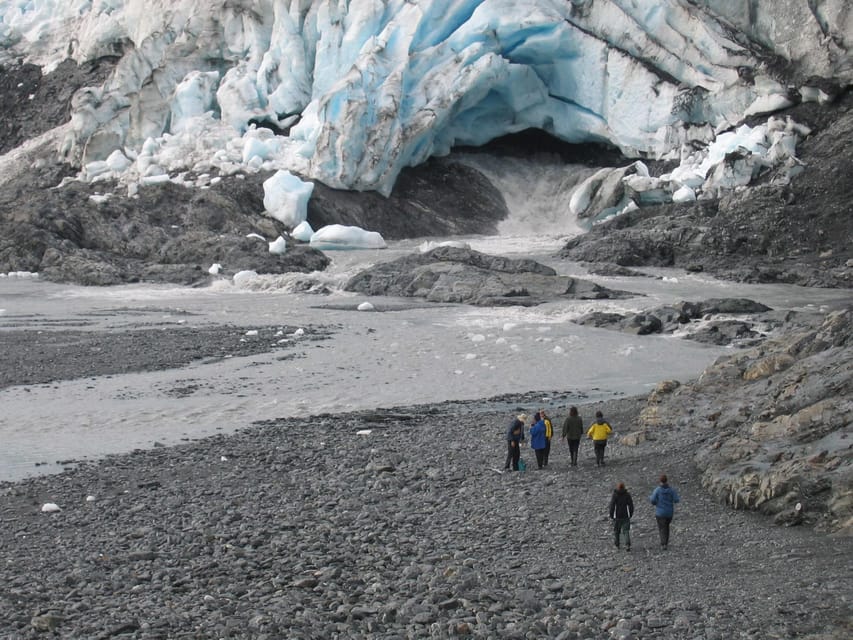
458,275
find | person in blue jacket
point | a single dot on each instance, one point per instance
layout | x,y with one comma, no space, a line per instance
539,439
664,498
514,438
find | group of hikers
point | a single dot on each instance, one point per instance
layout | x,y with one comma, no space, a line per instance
621,508
542,430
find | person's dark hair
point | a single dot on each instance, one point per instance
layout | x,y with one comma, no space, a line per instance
536,417
573,411
620,486
663,478
598,414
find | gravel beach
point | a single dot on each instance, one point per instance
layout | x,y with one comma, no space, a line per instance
399,523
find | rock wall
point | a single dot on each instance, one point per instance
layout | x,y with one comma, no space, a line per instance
778,425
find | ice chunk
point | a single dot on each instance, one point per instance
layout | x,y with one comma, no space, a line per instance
286,197
302,232
337,236
278,246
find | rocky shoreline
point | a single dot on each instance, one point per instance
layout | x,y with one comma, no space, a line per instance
399,523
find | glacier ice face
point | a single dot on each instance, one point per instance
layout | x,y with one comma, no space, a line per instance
356,90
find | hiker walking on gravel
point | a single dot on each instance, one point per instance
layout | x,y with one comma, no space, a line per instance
573,432
621,511
598,431
538,441
514,438
664,498
549,432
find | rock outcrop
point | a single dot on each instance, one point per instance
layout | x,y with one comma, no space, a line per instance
698,321
779,425
453,274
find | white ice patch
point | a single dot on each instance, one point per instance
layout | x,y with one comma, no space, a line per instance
278,246
244,278
429,245
302,232
337,236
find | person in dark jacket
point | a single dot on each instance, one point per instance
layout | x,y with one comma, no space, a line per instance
664,498
538,439
621,511
573,432
514,438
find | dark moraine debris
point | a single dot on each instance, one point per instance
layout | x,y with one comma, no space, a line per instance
437,198
96,234
453,274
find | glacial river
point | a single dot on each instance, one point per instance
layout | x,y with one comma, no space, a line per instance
404,355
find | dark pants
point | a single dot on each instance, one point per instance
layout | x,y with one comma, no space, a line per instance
622,526
663,529
547,452
540,457
574,445
599,451
513,454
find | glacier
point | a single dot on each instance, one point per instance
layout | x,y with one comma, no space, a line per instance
351,92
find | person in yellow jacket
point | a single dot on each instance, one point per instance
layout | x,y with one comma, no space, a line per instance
598,431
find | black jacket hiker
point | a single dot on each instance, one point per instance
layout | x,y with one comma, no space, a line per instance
621,511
